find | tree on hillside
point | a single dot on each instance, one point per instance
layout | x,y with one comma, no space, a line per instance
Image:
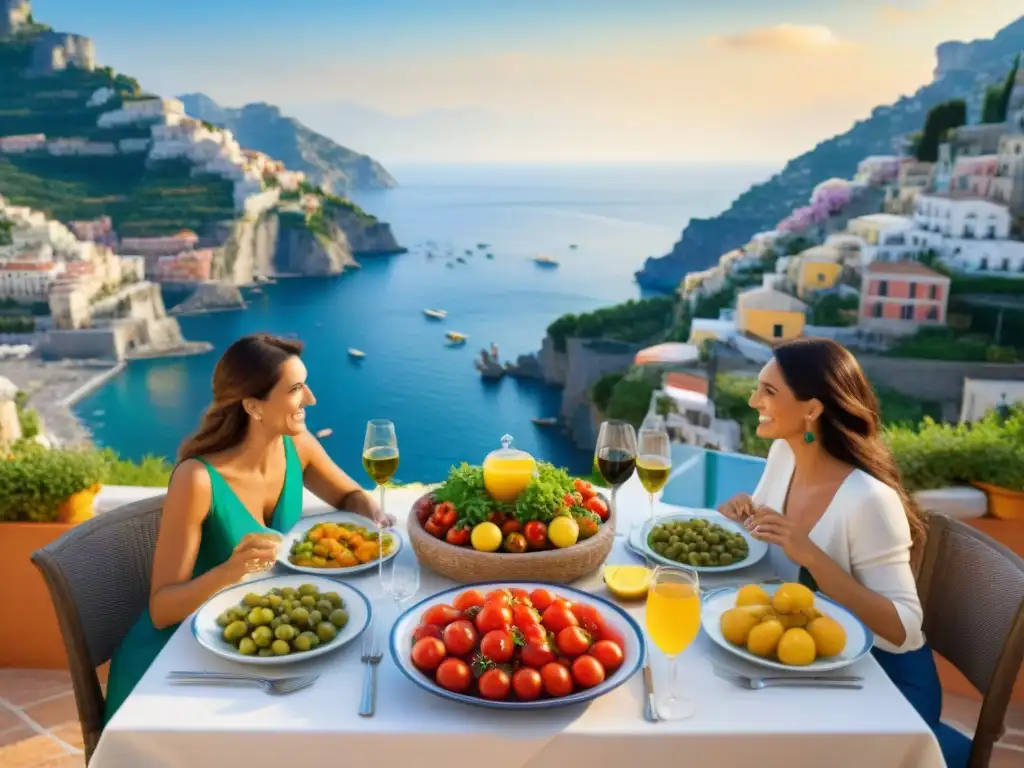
996,104
942,118
1011,79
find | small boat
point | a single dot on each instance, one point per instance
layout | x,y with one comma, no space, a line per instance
469,251
490,255
356,353
460,260
543,260
326,432
455,338
546,421
450,265
481,246
573,246
437,314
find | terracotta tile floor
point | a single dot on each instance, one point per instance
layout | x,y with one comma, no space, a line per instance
39,723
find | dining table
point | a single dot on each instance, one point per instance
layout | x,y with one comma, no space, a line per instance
165,725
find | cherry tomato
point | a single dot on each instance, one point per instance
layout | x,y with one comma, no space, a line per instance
434,529
597,506
426,630
454,675
557,617
520,595
573,641
588,617
444,514
498,518
494,616
608,653
511,526
536,655
541,599
497,646
471,598
428,653
494,684
527,684
608,632
556,679
569,500
585,489
501,596
533,633
460,637
442,615
458,537
523,614
536,534
587,672
424,508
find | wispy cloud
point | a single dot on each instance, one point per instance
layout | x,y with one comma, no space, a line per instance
785,38
923,10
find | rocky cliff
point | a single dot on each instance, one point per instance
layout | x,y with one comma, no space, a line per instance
963,71
262,127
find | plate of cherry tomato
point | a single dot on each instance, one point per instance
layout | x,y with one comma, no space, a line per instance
517,645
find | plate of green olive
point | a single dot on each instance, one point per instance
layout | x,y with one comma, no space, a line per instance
281,619
704,542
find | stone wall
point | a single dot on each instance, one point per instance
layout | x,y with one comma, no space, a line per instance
589,360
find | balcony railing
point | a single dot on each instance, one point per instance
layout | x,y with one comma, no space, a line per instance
705,479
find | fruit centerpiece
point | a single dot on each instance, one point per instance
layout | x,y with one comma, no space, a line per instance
512,518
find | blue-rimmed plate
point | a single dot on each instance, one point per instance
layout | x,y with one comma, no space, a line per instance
859,638
639,535
298,533
614,616
209,633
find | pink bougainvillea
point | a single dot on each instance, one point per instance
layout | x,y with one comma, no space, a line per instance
828,198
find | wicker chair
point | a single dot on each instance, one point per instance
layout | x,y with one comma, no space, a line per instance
972,593
98,575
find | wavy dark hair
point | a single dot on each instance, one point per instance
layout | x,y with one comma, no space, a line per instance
850,426
250,367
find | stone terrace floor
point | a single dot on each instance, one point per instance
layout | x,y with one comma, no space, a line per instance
39,723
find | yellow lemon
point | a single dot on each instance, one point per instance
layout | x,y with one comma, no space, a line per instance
563,531
752,594
829,636
764,638
486,537
736,625
796,648
629,582
792,598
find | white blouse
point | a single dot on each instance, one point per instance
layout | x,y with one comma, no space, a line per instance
864,530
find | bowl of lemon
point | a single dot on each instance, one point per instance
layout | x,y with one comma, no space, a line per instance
785,627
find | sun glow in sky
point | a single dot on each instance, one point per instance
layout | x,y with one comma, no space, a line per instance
577,81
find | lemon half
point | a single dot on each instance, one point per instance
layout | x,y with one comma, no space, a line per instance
630,582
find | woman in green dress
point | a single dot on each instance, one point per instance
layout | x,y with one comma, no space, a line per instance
237,486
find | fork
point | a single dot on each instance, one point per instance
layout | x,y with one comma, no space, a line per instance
278,686
371,657
757,683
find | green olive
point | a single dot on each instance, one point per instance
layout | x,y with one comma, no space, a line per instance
280,648
315,617
247,646
235,631
308,601
301,643
335,599
252,599
224,619
338,617
300,617
289,593
326,631
265,652
307,590
285,632
262,636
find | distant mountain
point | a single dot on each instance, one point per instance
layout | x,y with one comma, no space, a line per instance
263,128
963,71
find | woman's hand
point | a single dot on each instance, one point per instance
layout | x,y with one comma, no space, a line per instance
255,552
738,508
366,505
768,525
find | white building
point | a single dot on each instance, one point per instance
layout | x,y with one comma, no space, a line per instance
996,256
878,169
886,237
13,145
28,281
962,217
143,110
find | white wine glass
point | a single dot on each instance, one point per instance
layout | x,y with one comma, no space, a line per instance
672,617
616,454
400,579
380,460
653,461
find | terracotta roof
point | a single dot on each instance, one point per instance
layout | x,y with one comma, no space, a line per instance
687,381
903,268
28,266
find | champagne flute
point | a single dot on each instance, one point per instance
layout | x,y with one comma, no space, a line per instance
653,461
673,621
401,581
380,460
616,454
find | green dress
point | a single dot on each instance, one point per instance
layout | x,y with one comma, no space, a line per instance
226,524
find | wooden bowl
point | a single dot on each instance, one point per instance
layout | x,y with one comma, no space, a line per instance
468,566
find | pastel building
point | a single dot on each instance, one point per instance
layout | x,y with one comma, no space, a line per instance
900,297
969,218
914,177
187,267
770,314
885,236
28,281
15,145
816,269
878,169
972,175
1007,187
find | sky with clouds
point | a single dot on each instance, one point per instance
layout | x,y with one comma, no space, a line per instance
576,81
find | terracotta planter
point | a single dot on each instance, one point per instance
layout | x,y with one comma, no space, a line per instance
1003,503
79,507
33,641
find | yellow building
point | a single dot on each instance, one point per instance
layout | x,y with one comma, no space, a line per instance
770,315
816,269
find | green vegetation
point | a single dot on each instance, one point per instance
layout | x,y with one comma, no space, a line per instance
5,232
17,324
942,118
996,103
948,344
627,395
634,321
834,311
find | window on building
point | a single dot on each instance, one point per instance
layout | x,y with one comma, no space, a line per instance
876,311
883,288
1006,265
777,331
933,313
821,277
907,312
912,290
983,265
933,291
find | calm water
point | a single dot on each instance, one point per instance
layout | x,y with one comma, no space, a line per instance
442,411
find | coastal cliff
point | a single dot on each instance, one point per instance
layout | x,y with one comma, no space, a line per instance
963,71
302,250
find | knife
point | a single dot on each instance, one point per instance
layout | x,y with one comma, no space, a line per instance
650,712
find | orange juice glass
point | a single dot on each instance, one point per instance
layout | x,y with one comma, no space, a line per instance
673,621
508,471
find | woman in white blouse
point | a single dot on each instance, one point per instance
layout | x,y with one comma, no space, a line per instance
832,505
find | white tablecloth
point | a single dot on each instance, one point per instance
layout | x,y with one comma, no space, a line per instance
194,727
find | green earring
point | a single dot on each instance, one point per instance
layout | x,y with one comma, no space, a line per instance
808,437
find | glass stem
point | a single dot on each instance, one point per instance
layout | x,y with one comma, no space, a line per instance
673,678
615,507
652,505
380,539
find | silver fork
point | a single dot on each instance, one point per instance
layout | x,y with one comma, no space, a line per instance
276,686
371,657
757,683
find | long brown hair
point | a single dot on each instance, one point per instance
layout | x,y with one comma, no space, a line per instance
250,367
849,427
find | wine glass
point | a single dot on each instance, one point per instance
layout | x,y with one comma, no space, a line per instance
380,460
616,454
401,580
653,461
673,621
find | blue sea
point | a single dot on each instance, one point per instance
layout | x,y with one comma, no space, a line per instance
443,412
